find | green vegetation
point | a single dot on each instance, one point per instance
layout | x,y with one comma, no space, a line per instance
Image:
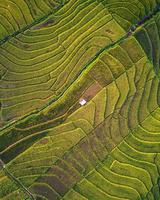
54,54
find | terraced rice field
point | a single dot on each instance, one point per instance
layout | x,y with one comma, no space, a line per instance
56,55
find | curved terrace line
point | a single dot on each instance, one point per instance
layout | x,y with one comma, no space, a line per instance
128,34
